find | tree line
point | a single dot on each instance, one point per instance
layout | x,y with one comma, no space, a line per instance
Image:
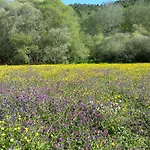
47,31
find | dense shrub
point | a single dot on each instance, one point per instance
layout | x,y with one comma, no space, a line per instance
123,47
112,49
138,48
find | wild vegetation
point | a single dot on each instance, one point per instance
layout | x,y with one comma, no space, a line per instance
78,106
49,32
84,107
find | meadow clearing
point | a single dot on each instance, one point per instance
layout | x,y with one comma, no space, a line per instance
75,107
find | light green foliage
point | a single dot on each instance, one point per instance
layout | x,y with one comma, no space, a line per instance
92,42
57,15
41,32
77,49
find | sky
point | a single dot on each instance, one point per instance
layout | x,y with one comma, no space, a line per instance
86,1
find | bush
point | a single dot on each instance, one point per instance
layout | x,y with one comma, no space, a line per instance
124,47
138,48
112,49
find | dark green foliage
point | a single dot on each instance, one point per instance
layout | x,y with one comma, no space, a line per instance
5,46
112,49
138,49
138,14
84,10
126,48
125,31
127,3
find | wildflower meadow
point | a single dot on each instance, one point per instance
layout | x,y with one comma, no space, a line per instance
75,107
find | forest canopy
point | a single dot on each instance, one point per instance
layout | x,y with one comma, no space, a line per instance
47,31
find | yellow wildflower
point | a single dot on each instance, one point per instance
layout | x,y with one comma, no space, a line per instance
3,134
2,128
17,125
26,129
119,96
113,144
12,140
28,140
19,118
2,122
36,134
7,116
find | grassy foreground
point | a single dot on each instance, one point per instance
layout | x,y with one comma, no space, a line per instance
75,107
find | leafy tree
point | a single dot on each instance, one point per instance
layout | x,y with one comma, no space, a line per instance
21,44
6,52
112,49
55,46
107,20
57,15
25,30
111,18
47,31
87,19
138,47
85,10
127,3
137,14
91,42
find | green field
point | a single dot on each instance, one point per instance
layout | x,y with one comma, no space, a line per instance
75,107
